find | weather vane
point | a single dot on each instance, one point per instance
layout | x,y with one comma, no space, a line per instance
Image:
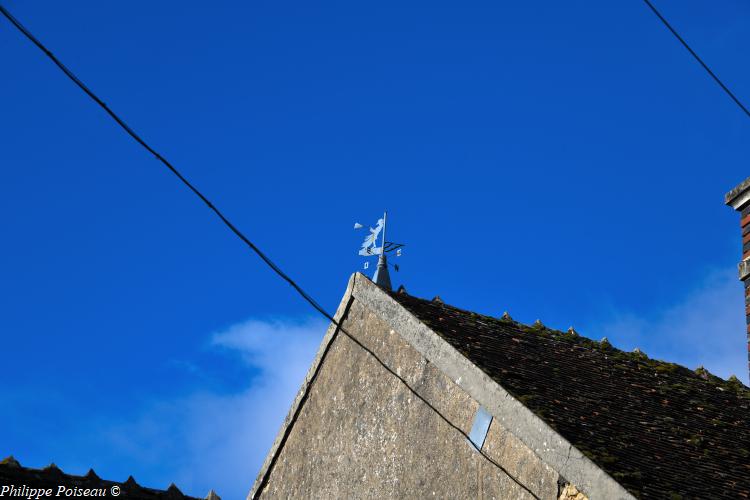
370,248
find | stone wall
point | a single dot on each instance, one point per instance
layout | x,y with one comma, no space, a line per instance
362,434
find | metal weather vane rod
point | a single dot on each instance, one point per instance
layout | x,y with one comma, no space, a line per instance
369,249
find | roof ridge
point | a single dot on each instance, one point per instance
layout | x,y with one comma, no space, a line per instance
52,471
604,345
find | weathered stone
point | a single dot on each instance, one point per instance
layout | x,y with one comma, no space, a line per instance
386,414
362,433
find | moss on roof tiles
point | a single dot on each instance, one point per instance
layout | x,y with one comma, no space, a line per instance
658,428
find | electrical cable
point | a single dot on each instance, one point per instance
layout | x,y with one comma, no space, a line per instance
390,370
240,235
697,58
163,160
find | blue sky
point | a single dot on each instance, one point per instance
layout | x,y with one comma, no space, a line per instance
561,161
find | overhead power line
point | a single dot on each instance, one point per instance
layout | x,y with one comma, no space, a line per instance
697,58
252,246
163,160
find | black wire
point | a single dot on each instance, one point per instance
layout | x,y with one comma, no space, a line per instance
697,58
445,419
159,157
239,234
382,363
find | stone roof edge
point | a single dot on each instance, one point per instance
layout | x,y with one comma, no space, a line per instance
298,400
549,446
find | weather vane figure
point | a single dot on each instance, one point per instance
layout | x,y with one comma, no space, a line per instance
370,248
370,245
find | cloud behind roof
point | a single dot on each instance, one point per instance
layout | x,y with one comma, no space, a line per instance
705,327
212,440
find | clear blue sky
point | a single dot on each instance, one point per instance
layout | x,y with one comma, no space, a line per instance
561,161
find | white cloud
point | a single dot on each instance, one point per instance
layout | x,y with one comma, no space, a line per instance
219,441
706,327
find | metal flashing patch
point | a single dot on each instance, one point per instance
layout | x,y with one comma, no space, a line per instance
480,427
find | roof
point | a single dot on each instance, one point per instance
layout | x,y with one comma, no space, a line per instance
12,473
659,429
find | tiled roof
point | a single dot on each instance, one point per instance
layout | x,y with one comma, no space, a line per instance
12,473
659,429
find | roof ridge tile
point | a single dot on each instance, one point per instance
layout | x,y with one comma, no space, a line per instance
10,461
